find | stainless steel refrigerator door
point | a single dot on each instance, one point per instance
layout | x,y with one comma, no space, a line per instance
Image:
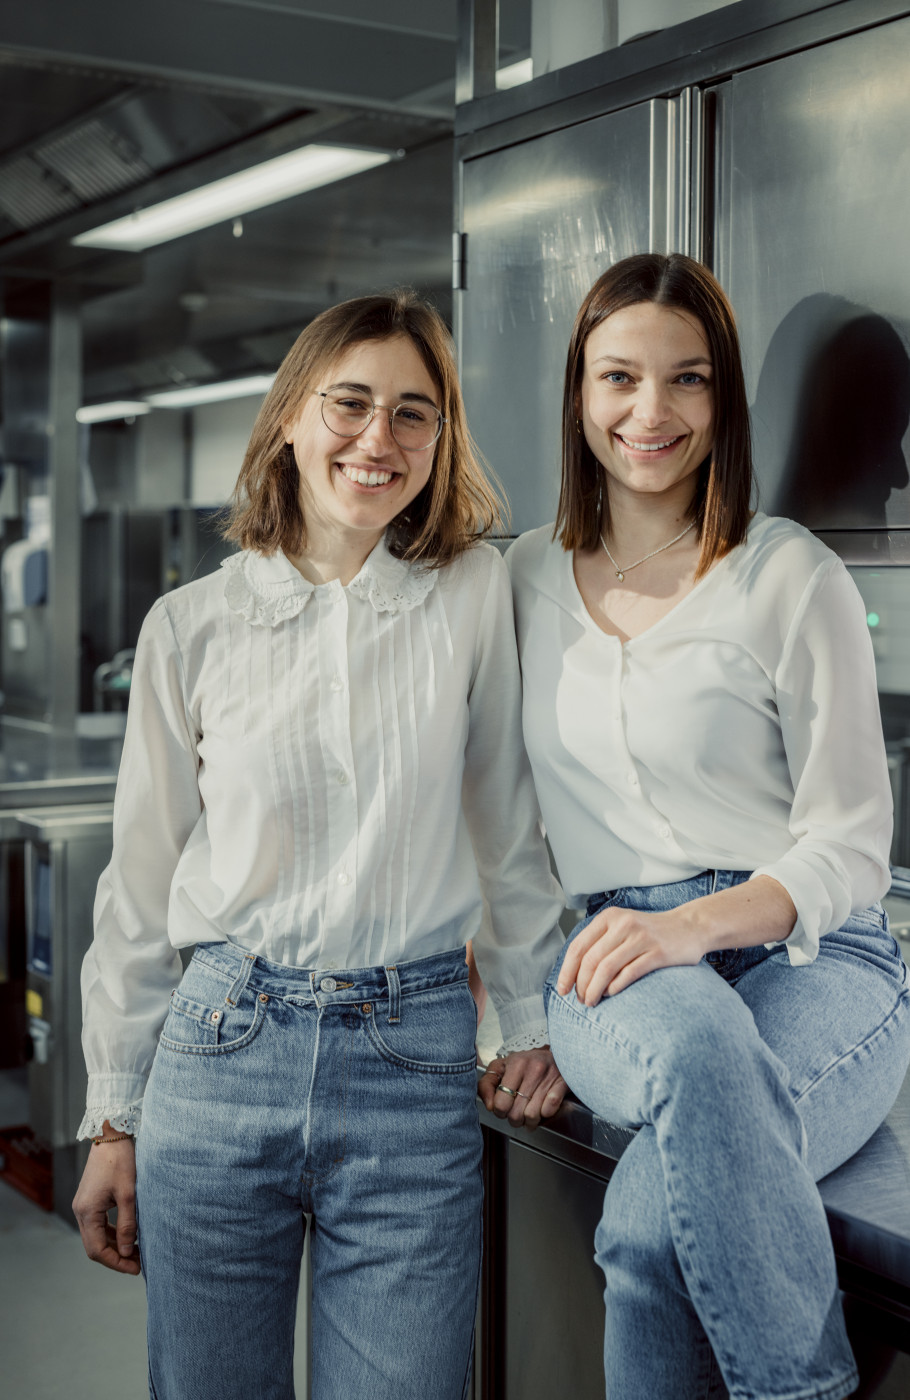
813,231
543,220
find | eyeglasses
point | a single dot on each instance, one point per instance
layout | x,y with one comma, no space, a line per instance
415,426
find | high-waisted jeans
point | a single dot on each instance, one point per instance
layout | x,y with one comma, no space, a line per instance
351,1096
749,1080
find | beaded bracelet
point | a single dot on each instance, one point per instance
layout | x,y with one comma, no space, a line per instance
121,1137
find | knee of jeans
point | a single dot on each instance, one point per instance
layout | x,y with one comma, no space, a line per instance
706,1039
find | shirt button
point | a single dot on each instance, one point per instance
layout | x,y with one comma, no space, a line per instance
342,777
344,878
328,984
632,780
337,683
664,831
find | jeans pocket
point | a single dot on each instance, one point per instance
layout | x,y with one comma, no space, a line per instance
435,1034
605,900
199,1028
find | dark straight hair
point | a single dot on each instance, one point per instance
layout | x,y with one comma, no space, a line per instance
723,492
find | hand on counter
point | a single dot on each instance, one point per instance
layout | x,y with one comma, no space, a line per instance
524,1087
109,1180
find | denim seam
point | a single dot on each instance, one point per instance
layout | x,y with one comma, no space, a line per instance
345,1075
201,1013
308,1115
882,1028
603,1034
318,1178
224,1048
682,1239
394,986
835,1391
212,967
238,986
420,1066
450,983
469,1366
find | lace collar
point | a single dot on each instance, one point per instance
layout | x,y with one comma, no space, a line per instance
267,589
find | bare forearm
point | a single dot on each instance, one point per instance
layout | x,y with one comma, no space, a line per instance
758,911
621,945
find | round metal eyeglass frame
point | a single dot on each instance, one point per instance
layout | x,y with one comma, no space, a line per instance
323,394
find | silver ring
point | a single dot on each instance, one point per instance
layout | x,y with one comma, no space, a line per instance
520,1095
512,1093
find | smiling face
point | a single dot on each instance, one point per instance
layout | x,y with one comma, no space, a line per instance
646,403
353,487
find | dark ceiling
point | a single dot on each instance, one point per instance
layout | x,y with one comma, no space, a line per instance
105,107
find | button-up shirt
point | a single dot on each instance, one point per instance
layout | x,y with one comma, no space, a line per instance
740,732
328,777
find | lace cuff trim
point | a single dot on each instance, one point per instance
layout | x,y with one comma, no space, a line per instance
530,1039
122,1119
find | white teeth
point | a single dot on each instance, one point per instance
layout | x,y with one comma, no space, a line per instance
363,478
646,446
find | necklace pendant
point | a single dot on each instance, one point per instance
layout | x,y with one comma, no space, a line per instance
620,576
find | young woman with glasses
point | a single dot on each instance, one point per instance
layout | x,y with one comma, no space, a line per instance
324,790
701,715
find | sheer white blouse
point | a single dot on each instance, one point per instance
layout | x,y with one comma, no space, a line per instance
329,777
740,732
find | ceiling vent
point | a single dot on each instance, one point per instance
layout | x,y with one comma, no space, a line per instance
83,165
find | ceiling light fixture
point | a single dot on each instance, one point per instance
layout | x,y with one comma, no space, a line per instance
110,412
211,393
228,198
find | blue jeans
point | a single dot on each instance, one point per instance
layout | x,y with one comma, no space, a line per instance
749,1080
350,1096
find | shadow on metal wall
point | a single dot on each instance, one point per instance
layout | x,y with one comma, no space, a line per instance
832,408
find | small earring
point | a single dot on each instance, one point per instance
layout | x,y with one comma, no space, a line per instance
577,425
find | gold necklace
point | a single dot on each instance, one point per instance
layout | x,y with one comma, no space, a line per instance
621,573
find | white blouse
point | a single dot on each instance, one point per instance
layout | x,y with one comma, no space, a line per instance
329,777
740,732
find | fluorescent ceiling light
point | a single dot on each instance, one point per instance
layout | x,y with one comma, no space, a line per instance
514,74
110,412
273,180
211,393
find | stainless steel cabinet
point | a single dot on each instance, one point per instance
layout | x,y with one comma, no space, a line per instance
793,177
542,220
813,229
66,850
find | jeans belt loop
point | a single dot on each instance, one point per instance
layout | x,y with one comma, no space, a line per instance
391,976
240,981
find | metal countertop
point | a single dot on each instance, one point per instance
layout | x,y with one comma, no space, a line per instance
867,1200
48,768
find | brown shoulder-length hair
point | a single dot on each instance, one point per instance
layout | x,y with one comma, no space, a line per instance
724,489
458,506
